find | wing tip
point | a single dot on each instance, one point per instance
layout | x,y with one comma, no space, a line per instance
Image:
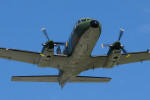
14,78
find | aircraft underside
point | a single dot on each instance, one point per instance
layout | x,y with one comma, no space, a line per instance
71,66
76,56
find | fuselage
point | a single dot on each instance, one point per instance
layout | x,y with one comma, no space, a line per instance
76,56
80,29
83,38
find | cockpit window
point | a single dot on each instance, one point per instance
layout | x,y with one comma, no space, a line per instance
83,20
87,19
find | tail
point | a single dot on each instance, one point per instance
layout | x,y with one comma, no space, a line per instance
55,78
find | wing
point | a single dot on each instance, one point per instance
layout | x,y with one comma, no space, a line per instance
134,57
19,55
54,78
98,61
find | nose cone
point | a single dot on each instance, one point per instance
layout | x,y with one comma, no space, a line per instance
94,23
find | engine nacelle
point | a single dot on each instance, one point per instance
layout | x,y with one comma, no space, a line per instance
113,59
48,49
47,53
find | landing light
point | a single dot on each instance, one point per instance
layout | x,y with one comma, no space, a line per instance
42,55
66,44
128,55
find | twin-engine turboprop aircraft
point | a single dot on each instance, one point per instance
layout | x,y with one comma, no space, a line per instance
76,55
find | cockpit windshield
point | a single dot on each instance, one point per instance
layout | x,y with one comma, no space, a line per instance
83,20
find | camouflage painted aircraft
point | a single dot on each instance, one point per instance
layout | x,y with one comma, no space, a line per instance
76,55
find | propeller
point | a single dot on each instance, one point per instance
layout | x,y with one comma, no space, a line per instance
105,45
48,39
117,44
59,43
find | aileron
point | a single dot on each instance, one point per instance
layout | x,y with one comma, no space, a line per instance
134,57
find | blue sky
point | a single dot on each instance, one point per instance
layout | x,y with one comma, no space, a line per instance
20,24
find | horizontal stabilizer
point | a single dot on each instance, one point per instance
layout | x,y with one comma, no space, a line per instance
54,78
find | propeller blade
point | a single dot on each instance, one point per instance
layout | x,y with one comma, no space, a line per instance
127,55
121,33
105,45
59,43
124,51
45,33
